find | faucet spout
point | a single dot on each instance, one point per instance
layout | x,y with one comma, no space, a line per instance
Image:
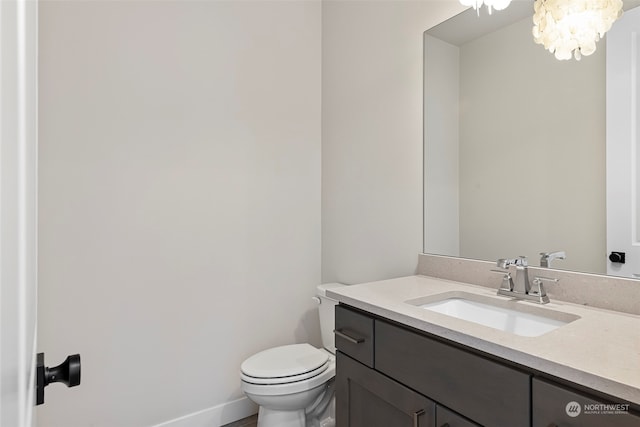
518,268
547,257
521,283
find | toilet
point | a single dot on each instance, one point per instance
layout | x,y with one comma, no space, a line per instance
293,384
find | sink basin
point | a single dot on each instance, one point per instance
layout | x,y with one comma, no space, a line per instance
498,314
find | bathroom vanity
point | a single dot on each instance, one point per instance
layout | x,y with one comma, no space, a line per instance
401,365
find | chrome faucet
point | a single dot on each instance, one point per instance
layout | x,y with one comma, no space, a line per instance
521,281
547,257
520,287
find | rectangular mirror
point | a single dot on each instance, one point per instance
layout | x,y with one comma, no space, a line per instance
514,144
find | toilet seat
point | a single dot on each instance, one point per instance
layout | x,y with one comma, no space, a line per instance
273,389
285,364
285,380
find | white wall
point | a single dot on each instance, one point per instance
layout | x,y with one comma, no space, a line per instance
532,164
372,135
179,199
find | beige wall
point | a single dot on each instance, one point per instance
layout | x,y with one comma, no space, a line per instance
179,200
372,136
532,153
181,218
441,153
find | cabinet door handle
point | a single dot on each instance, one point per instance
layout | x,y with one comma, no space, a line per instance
553,425
445,425
416,415
354,340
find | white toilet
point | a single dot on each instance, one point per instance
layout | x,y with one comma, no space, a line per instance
293,384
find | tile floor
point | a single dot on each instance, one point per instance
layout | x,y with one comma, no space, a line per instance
246,422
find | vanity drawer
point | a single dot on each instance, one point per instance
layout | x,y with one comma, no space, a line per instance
487,392
553,403
354,334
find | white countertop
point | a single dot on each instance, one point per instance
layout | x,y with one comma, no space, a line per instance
600,350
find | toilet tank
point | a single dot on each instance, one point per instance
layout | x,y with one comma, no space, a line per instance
327,312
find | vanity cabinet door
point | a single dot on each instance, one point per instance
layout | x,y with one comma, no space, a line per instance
366,398
556,406
447,418
480,389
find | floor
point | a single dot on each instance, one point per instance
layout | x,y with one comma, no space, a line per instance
246,422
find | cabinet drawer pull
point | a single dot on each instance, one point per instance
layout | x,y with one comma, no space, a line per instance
553,425
416,415
445,425
347,337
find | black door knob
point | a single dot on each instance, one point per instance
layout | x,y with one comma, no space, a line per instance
68,372
618,257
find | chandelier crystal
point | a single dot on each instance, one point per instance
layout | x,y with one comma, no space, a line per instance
566,27
491,4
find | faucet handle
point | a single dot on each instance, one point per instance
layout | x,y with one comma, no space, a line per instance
507,281
538,281
503,263
546,279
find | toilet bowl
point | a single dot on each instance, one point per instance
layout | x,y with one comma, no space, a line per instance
286,398
293,384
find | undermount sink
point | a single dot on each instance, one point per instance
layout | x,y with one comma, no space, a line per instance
496,313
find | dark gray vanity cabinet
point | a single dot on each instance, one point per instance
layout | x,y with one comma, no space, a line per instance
389,375
482,390
558,406
385,377
365,397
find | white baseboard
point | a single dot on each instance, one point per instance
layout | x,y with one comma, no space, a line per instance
215,416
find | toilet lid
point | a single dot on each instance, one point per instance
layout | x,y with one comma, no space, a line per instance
285,361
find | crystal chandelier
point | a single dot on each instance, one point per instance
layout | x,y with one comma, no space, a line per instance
491,4
567,27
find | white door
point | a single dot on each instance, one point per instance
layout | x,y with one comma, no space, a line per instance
623,151
18,224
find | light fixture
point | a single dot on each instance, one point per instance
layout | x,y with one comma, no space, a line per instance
491,4
567,27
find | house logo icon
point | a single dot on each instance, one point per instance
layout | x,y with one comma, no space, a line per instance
573,409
